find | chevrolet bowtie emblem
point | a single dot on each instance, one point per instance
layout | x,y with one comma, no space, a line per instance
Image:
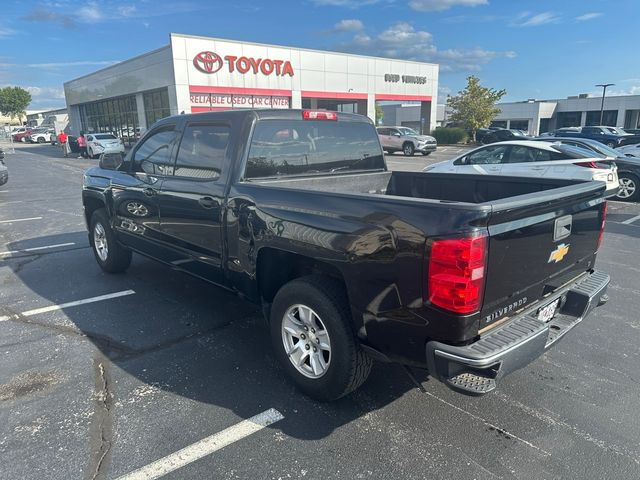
559,253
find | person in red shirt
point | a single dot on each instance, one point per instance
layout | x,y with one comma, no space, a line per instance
82,143
62,140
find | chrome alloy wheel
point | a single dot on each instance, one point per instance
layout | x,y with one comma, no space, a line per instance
306,341
627,188
137,209
100,242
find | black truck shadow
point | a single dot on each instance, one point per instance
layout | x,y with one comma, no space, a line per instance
190,338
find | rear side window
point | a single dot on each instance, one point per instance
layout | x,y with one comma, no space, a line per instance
494,154
202,151
290,147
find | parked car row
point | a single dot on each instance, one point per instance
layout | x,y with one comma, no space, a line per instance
535,158
33,135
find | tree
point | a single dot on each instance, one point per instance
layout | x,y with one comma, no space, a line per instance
379,114
474,107
14,102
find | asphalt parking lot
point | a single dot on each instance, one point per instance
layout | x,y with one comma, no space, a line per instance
153,373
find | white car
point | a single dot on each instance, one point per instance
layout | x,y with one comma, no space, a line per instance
629,150
42,136
99,143
527,158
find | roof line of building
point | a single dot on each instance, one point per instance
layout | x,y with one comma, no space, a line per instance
118,63
201,37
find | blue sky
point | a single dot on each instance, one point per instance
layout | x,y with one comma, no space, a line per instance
533,49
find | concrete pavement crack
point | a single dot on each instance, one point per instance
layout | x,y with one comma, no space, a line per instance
102,434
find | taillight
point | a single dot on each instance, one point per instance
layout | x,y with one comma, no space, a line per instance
319,115
601,234
455,279
597,165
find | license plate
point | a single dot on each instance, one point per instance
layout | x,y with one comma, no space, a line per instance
546,313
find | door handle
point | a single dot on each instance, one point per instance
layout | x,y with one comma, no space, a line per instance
208,202
149,192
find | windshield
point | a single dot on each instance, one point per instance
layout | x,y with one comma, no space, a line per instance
517,133
105,136
408,131
308,147
617,130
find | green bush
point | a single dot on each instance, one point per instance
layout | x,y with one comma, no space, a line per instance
450,135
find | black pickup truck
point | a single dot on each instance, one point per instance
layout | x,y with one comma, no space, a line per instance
470,276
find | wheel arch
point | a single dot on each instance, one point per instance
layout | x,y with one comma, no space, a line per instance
275,268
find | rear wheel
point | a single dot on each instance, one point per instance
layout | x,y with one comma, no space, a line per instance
110,255
313,340
408,149
629,184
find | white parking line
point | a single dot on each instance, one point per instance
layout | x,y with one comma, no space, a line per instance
205,447
631,220
35,249
20,220
61,306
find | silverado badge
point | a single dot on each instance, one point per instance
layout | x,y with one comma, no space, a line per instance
559,253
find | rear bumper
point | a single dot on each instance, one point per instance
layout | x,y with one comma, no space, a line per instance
475,369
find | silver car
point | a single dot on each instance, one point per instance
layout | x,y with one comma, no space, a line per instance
405,140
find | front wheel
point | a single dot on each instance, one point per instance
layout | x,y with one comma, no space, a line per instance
629,184
313,340
611,144
41,140
110,255
408,149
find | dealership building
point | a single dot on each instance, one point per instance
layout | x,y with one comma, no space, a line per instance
538,116
201,74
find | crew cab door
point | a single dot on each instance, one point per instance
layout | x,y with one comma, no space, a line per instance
135,199
191,200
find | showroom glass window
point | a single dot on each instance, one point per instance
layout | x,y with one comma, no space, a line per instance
153,155
202,151
156,105
116,115
609,117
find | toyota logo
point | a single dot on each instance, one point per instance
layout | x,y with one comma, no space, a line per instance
207,62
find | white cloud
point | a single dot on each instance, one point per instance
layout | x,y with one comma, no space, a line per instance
345,3
46,92
7,32
402,41
90,13
588,16
348,25
440,5
527,19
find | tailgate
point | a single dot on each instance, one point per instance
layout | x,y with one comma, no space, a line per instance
539,242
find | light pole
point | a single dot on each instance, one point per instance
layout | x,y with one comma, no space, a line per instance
604,90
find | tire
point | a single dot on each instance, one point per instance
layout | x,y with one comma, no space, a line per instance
629,187
40,140
344,366
611,144
408,149
110,255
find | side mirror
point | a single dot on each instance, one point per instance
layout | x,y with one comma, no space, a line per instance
111,161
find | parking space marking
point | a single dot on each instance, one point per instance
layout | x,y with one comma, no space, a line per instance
205,447
35,249
75,303
631,220
20,220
